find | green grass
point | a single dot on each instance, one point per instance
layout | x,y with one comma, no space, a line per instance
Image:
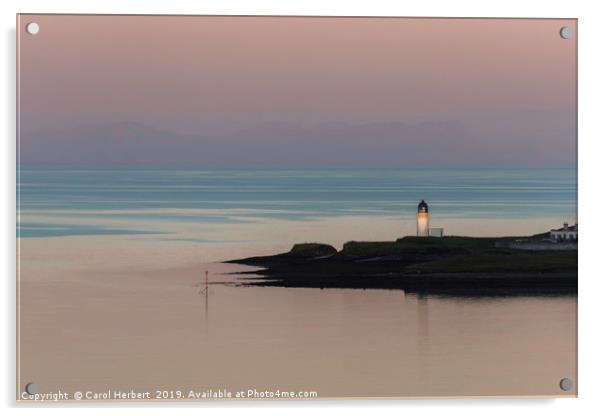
500,262
312,250
418,245
463,254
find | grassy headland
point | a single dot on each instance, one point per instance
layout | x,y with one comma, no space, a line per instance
429,264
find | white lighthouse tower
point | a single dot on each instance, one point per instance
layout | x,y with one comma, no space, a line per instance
422,220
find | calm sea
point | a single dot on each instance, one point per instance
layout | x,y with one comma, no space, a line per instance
57,202
112,267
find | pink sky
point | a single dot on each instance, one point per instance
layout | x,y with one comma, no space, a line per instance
219,75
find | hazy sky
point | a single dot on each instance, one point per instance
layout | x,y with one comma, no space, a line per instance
216,76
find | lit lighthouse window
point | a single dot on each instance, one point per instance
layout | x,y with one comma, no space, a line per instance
422,220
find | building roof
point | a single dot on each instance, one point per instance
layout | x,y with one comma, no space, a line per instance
423,206
569,228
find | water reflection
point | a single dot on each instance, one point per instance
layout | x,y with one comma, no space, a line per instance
204,294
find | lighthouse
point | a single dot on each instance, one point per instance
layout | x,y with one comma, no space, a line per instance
422,220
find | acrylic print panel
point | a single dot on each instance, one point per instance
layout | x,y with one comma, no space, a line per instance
296,207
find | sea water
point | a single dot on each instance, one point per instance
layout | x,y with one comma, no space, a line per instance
112,296
57,202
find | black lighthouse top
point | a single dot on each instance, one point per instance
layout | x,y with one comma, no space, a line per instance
423,206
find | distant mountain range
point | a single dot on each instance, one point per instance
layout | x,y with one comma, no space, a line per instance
444,143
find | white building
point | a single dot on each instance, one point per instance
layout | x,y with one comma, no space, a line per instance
565,233
436,232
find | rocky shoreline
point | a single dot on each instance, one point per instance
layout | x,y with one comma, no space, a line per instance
449,265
